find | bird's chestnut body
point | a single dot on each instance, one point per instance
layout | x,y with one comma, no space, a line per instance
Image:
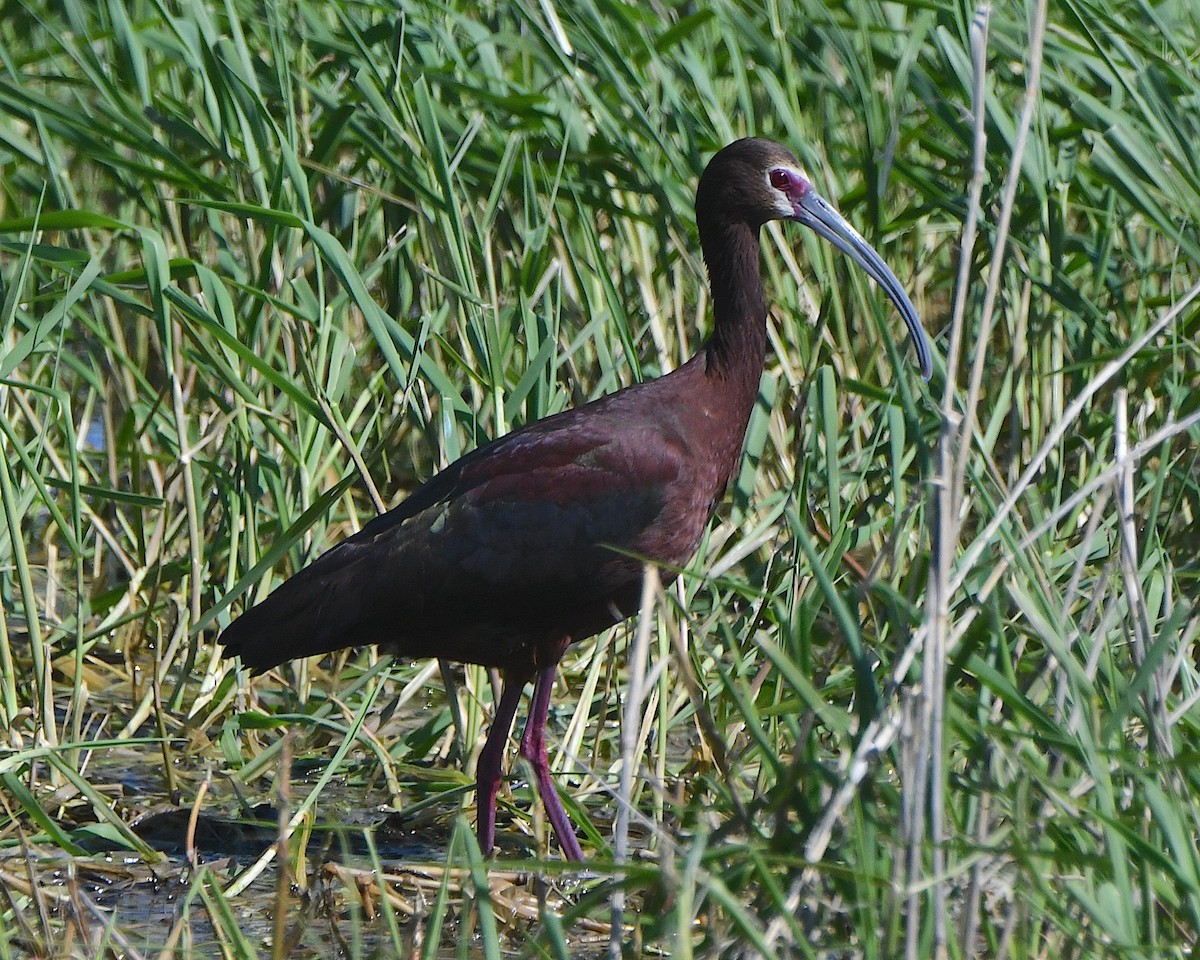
538,539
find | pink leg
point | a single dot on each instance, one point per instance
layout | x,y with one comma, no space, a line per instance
491,759
533,749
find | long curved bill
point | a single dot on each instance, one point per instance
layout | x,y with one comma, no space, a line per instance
815,213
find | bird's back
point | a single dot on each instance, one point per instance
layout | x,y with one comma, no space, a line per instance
535,537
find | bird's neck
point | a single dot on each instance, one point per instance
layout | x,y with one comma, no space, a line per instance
738,345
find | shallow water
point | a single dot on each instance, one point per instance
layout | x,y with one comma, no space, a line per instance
146,908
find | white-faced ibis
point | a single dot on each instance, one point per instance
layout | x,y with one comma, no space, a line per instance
537,539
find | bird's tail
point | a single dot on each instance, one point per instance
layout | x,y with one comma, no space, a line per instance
299,619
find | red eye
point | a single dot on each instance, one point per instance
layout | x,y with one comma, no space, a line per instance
780,179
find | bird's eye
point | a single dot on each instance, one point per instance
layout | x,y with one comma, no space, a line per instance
780,179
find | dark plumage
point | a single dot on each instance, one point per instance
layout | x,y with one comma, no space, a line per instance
506,556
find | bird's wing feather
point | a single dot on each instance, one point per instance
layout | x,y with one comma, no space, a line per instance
536,524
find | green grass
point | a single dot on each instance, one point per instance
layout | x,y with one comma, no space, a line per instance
930,687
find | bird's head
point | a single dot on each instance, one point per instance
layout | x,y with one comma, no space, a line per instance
755,180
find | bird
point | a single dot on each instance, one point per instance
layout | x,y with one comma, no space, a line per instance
537,539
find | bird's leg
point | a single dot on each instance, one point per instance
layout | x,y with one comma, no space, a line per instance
533,749
491,759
